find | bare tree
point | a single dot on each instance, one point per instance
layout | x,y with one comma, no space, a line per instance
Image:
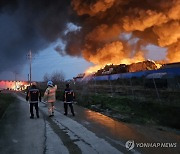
58,77
46,77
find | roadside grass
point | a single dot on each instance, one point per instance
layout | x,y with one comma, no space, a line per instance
5,100
144,108
149,112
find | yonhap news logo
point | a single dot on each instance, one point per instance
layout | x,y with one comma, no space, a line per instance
130,144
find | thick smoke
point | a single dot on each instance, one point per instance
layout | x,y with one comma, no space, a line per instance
29,25
101,38
104,22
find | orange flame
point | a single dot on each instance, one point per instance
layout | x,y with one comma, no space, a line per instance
13,85
95,68
138,58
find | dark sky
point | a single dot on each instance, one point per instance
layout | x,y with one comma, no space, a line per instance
29,25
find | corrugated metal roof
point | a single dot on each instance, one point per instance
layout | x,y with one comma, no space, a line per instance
159,75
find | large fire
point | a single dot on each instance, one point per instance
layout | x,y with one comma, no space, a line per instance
13,85
118,32
95,68
115,60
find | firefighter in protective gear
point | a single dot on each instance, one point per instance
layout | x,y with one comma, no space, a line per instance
33,96
50,97
68,100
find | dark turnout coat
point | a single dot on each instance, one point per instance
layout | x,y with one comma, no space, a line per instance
33,95
68,95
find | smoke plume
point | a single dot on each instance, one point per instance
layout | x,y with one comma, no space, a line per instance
110,30
104,22
29,25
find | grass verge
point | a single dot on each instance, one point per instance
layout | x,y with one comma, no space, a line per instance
149,112
5,100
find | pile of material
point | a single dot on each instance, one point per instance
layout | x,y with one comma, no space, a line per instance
142,66
123,68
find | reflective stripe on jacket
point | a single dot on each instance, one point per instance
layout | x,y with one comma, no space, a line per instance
50,94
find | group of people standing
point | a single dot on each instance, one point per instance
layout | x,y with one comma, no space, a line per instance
34,96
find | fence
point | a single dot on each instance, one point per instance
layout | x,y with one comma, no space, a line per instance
139,89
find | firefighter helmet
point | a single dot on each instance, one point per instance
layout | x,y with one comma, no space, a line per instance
50,83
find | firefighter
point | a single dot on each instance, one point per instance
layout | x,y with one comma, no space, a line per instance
33,96
68,100
50,97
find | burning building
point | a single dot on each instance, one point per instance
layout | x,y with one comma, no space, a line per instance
123,68
117,32
79,77
134,70
101,31
13,85
142,66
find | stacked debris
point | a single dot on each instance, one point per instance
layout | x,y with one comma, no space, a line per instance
112,69
142,66
123,68
79,77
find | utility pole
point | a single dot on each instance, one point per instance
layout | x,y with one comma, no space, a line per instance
30,61
15,86
28,77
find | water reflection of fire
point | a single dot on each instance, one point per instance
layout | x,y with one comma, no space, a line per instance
13,85
118,129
